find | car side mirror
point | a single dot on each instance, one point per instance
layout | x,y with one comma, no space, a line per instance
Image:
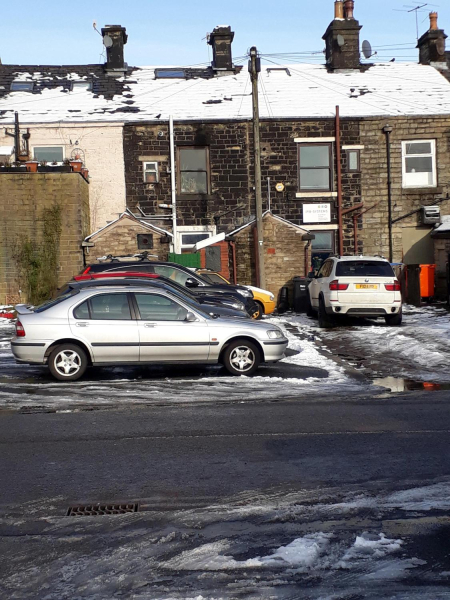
190,317
191,283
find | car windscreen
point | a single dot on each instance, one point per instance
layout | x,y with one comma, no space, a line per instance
364,268
49,303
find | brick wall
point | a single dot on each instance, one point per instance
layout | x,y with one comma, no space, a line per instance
120,239
284,254
442,254
25,197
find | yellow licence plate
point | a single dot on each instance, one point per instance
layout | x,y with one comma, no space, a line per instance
366,286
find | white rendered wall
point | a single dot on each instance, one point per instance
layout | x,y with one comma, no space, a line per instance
102,147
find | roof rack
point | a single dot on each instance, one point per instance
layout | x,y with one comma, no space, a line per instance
141,256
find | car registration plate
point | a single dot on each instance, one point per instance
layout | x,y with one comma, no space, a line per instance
367,286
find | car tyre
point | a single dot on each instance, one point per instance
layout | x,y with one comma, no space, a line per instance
67,362
326,321
259,312
394,320
242,357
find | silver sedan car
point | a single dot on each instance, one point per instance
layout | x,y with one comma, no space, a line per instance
137,325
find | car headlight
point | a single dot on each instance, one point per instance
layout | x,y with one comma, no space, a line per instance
272,297
274,333
246,293
238,305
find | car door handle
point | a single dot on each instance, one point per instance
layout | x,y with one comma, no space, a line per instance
149,324
82,324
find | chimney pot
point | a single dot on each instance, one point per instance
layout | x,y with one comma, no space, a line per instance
433,21
349,5
339,9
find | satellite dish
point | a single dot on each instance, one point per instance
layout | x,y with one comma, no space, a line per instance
366,49
107,41
340,40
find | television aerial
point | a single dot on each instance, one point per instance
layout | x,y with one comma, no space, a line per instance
340,41
409,8
107,41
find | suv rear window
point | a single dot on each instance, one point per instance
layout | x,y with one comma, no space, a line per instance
364,268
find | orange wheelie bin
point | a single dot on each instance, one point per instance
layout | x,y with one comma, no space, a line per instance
427,281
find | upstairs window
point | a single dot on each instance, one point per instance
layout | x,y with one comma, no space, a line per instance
193,170
48,153
151,173
315,167
419,163
22,86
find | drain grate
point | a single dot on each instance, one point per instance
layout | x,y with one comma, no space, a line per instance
95,510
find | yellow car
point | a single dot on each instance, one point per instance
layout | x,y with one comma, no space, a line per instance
264,298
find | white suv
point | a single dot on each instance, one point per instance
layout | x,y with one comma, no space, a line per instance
357,286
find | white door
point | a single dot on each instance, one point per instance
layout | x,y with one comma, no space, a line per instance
104,322
164,333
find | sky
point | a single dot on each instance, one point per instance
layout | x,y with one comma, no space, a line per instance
173,32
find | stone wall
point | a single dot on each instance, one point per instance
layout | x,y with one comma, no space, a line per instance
374,232
24,198
120,239
442,254
284,254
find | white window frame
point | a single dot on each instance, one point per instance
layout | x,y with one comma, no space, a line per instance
154,169
48,146
81,84
186,230
409,176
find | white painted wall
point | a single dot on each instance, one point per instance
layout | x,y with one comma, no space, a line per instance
102,146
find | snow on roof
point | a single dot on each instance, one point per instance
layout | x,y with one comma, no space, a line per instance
267,212
129,215
305,91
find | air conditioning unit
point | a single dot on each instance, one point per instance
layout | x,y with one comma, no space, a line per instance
431,215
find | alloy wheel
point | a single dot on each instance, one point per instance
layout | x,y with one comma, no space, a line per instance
67,363
242,358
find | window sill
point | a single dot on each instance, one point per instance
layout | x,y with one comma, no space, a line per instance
316,195
431,189
195,197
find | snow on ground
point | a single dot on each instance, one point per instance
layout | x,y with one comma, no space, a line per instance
278,544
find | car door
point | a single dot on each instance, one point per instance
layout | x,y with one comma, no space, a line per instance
316,284
164,333
104,322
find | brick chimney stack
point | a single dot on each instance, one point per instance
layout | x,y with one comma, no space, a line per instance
220,39
342,38
432,44
114,39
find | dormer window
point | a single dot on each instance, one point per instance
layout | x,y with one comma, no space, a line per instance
170,74
22,86
81,85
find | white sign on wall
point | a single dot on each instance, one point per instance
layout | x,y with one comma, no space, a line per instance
317,213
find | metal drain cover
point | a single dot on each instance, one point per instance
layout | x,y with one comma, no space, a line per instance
95,510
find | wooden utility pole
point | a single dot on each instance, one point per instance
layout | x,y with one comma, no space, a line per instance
255,68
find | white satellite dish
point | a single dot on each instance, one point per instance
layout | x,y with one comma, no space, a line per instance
366,49
340,40
107,41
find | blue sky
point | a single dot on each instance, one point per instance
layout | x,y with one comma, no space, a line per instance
172,32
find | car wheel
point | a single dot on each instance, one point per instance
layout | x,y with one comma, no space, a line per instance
394,320
325,321
309,309
241,358
259,312
67,362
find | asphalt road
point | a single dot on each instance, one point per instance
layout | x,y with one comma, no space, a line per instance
289,465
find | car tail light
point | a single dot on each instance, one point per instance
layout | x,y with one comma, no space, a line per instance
20,331
392,287
86,271
335,286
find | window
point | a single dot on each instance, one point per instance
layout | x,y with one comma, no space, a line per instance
145,241
169,74
153,307
82,311
353,161
81,85
193,170
315,164
419,163
323,242
111,307
22,86
326,268
49,153
173,273
188,240
364,268
151,174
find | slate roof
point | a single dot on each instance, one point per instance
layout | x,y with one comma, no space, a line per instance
300,91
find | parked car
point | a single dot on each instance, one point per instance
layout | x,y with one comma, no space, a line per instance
220,306
178,273
108,325
357,286
264,298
